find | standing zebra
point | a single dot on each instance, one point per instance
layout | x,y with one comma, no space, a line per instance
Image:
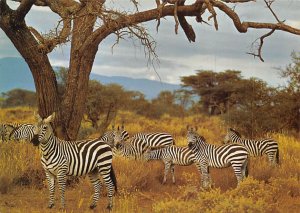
134,147
267,147
108,137
208,155
6,129
156,139
138,144
22,131
75,158
171,156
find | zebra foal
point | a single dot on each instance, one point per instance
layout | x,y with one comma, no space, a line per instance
73,158
209,155
261,147
171,156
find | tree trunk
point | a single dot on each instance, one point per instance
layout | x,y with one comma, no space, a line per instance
81,62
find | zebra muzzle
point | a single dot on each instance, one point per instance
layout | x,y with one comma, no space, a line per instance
35,140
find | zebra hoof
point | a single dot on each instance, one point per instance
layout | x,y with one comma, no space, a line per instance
92,206
109,207
50,205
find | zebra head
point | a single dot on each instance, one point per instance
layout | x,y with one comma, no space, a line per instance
148,154
231,134
42,130
191,137
118,136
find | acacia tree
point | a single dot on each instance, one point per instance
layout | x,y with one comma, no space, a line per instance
85,24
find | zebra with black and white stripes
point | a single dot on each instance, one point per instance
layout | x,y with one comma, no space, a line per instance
138,144
134,147
74,158
209,155
156,139
108,136
261,147
6,129
22,132
171,156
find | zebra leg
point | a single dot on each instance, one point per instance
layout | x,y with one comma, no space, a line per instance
62,179
93,176
173,173
109,186
167,167
205,180
237,168
51,185
272,158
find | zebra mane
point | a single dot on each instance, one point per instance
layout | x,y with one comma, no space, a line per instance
236,132
200,137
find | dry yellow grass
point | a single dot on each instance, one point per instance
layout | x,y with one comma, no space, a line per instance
268,189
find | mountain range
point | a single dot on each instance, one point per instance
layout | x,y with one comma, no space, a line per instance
15,73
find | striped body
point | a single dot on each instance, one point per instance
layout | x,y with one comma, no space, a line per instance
140,142
171,156
208,155
75,158
262,147
156,139
22,132
134,147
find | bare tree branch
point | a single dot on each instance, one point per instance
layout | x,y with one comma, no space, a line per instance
237,1
269,3
244,26
258,54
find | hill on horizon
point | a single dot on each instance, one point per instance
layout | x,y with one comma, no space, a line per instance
15,73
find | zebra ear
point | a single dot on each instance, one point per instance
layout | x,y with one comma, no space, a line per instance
113,127
122,125
37,116
50,118
196,128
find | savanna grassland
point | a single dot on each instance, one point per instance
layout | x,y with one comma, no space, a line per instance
267,189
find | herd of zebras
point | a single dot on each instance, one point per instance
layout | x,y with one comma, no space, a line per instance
93,157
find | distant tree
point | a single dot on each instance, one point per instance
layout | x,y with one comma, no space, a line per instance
214,88
19,97
253,108
291,94
103,102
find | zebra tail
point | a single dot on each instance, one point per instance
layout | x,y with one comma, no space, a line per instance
113,178
247,168
277,156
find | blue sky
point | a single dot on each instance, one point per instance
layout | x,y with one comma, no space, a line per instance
213,50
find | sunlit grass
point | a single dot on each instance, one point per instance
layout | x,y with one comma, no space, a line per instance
268,189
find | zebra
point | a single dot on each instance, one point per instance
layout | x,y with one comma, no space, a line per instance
73,158
22,132
208,155
6,129
261,147
108,136
156,139
171,156
138,143
134,147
